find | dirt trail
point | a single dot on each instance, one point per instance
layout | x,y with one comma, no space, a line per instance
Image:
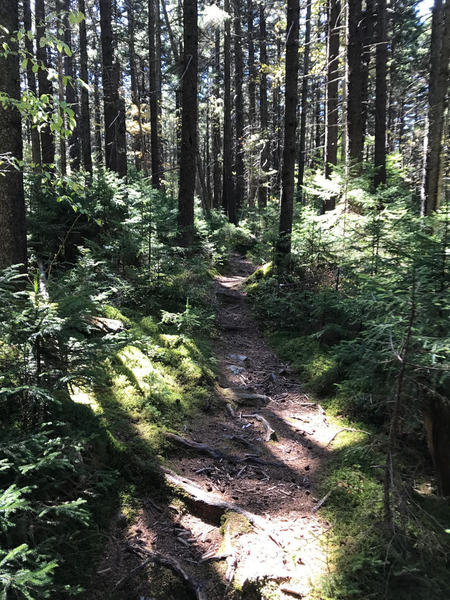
271,481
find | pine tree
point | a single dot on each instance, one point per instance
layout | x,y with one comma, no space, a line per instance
13,241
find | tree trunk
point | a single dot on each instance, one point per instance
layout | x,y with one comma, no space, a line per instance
31,80
304,100
355,136
153,7
263,112
239,108
85,119
13,241
331,121
251,99
72,92
368,18
113,107
45,87
97,118
228,198
216,126
188,125
380,95
283,249
437,97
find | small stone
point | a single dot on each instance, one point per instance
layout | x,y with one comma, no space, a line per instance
235,369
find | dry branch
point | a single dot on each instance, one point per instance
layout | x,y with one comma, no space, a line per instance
346,429
270,433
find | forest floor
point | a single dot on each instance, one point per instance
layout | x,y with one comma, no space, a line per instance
243,520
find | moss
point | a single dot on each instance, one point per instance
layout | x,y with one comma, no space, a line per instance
259,275
313,362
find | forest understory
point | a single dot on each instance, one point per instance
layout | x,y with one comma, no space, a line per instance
224,300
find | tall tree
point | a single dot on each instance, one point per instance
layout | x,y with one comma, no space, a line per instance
189,111
45,86
355,136
85,119
31,80
437,98
13,241
113,107
216,124
71,91
251,95
228,197
380,95
283,248
239,107
331,119
304,99
263,110
153,19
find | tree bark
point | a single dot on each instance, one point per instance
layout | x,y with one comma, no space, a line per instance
437,98
72,92
263,111
45,86
331,123
239,108
304,100
380,95
216,126
85,119
355,136
251,97
113,107
188,125
31,80
283,248
153,7
13,241
228,198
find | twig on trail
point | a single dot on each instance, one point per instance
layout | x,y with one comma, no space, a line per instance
153,505
172,564
270,433
322,502
201,448
291,592
346,429
208,557
231,410
244,442
299,418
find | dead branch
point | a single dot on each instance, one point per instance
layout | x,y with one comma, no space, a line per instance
322,501
270,433
346,429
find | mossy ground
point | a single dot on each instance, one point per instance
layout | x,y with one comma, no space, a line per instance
153,383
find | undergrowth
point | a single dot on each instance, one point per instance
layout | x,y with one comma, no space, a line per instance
368,291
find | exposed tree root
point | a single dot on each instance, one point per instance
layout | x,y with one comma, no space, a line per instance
170,563
210,505
218,454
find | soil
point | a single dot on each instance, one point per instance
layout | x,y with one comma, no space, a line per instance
278,555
